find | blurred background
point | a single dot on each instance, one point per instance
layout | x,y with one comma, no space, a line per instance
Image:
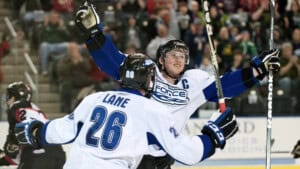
40,45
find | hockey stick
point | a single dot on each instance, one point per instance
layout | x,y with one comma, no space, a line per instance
213,55
270,90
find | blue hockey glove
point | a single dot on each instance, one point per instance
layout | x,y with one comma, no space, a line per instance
29,133
221,127
268,60
87,20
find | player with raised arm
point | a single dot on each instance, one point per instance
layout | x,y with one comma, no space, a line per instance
183,91
109,129
20,108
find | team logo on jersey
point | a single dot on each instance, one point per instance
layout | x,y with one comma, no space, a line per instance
166,93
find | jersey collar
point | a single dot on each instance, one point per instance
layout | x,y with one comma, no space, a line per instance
133,91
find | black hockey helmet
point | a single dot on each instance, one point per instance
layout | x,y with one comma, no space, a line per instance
137,72
172,45
19,90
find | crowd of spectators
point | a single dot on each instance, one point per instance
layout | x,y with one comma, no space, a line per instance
241,30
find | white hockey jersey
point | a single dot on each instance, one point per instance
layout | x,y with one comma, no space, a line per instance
109,131
184,97
194,88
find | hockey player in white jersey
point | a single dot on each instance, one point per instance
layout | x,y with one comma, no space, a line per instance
183,91
109,129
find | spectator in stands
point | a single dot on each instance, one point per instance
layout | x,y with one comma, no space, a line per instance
133,7
33,15
195,40
290,68
238,61
54,39
74,73
164,16
292,16
296,42
217,19
162,37
262,15
4,50
247,47
278,37
132,34
131,49
225,48
250,6
206,66
240,18
234,33
228,6
17,5
183,18
195,12
65,7
258,37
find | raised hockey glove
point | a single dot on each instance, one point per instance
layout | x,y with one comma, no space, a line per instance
221,127
268,60
29,133
88,21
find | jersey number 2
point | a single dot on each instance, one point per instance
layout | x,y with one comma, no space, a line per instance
112,131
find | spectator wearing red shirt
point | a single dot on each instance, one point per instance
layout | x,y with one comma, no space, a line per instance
4,50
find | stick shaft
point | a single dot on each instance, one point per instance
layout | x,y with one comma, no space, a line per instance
213,55
270,90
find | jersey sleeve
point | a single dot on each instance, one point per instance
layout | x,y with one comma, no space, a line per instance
107,57
188,150
64,130
233,84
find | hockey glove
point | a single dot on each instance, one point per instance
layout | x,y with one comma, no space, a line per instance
11,146
221,127
164,162
87,20
268,60
29,133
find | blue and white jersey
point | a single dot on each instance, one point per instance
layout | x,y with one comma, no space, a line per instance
184,97
194,88
109,130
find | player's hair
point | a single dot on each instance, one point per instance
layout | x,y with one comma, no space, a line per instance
18,90
172,45
137,72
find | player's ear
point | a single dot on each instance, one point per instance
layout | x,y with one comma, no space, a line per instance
161,60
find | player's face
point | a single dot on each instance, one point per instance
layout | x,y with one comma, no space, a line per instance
174,62
10,101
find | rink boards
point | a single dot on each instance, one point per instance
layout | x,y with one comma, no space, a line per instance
246,150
